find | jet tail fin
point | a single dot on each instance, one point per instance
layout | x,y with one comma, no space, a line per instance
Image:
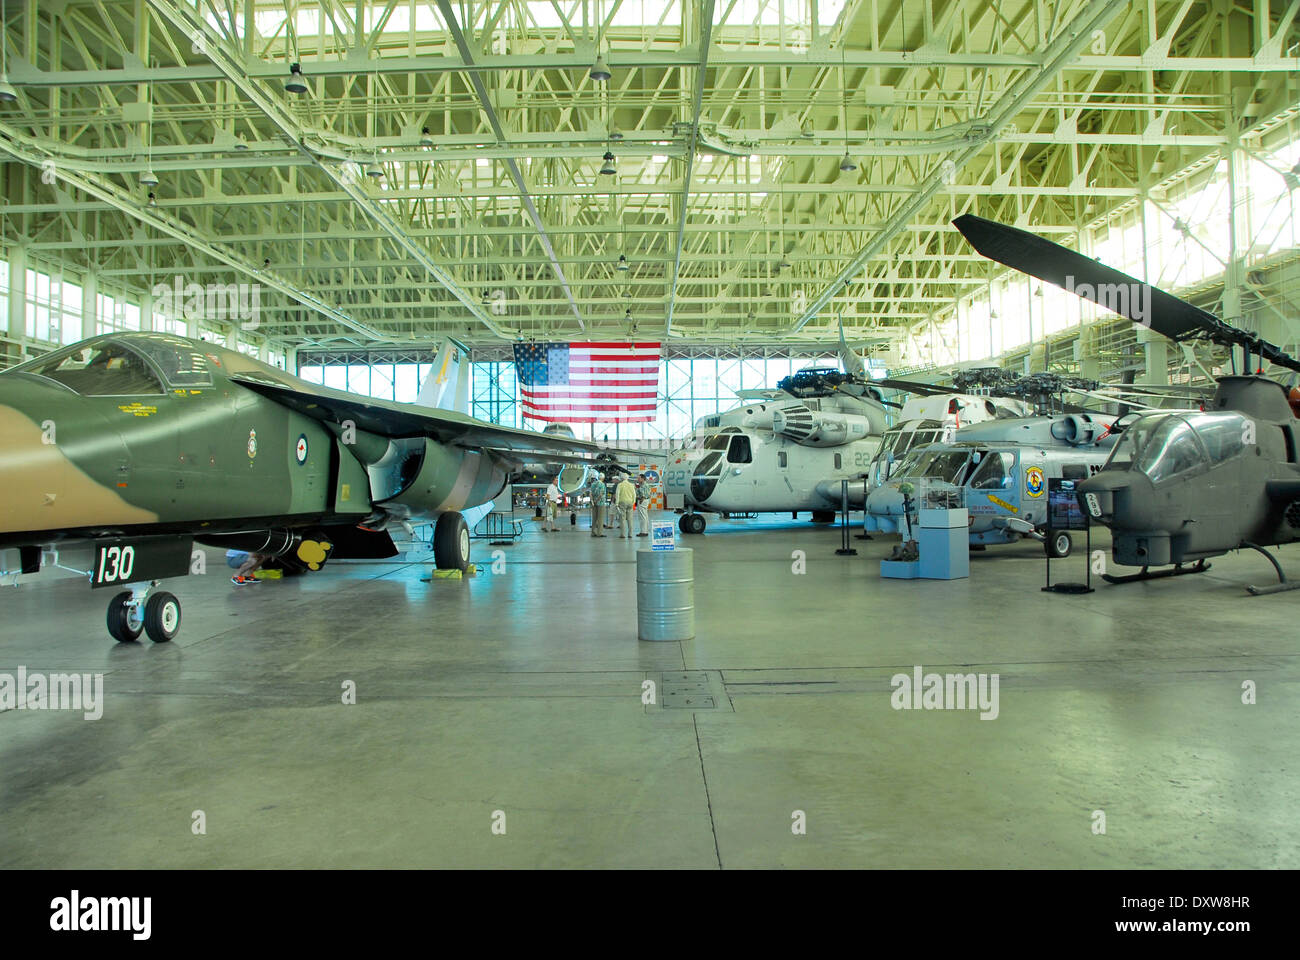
447,386
852,362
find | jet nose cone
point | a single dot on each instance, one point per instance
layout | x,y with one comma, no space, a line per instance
59,470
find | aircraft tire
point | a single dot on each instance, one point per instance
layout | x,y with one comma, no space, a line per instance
451,542
162,617
119,619
1058,544
693,523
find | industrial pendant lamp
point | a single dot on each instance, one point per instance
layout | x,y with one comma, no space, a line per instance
846,165
296,83
599,70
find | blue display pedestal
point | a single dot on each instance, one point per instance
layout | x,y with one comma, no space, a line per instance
943,540
900,569
943,537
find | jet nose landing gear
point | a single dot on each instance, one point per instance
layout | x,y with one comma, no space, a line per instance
141,610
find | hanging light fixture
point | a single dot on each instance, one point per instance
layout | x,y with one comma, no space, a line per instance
148,178
599,70
296,83
622,265
846,165
607,169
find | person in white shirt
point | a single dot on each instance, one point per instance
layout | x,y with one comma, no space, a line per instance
642,506
552,508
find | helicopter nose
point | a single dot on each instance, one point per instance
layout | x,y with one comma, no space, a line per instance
885,501
1098,494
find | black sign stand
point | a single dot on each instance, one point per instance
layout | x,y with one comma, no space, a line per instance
1063,505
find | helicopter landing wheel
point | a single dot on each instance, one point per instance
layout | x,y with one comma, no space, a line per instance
1058,544
691,523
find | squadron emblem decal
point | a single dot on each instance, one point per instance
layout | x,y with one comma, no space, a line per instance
1034,481
300,450
252,444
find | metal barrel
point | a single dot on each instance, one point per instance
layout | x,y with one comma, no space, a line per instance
665,594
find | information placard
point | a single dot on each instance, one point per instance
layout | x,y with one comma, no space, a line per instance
661,535
1063,511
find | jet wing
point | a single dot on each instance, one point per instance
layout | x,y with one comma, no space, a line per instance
387,418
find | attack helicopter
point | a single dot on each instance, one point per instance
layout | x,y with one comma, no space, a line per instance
1180,488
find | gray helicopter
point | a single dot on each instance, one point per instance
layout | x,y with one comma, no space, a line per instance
784,449
1180,488
1004,467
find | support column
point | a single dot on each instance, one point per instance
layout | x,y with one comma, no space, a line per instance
17,320
89,304
1156,354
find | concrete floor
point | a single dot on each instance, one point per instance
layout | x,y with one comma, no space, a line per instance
519,691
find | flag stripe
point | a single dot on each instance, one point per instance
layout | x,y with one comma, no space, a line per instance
588,382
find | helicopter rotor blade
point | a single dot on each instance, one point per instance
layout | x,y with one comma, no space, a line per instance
911,386
1109,288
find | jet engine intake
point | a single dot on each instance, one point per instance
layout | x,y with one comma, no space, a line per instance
819,428
1077,429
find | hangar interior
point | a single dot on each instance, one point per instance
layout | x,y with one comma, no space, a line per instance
345,185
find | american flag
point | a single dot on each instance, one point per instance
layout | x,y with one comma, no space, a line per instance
588,382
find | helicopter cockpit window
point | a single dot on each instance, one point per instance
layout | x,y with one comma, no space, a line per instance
717,442
1222,433
994,472
739,451
104,369
1172,449
710,465
945,465
925,433
1133,438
